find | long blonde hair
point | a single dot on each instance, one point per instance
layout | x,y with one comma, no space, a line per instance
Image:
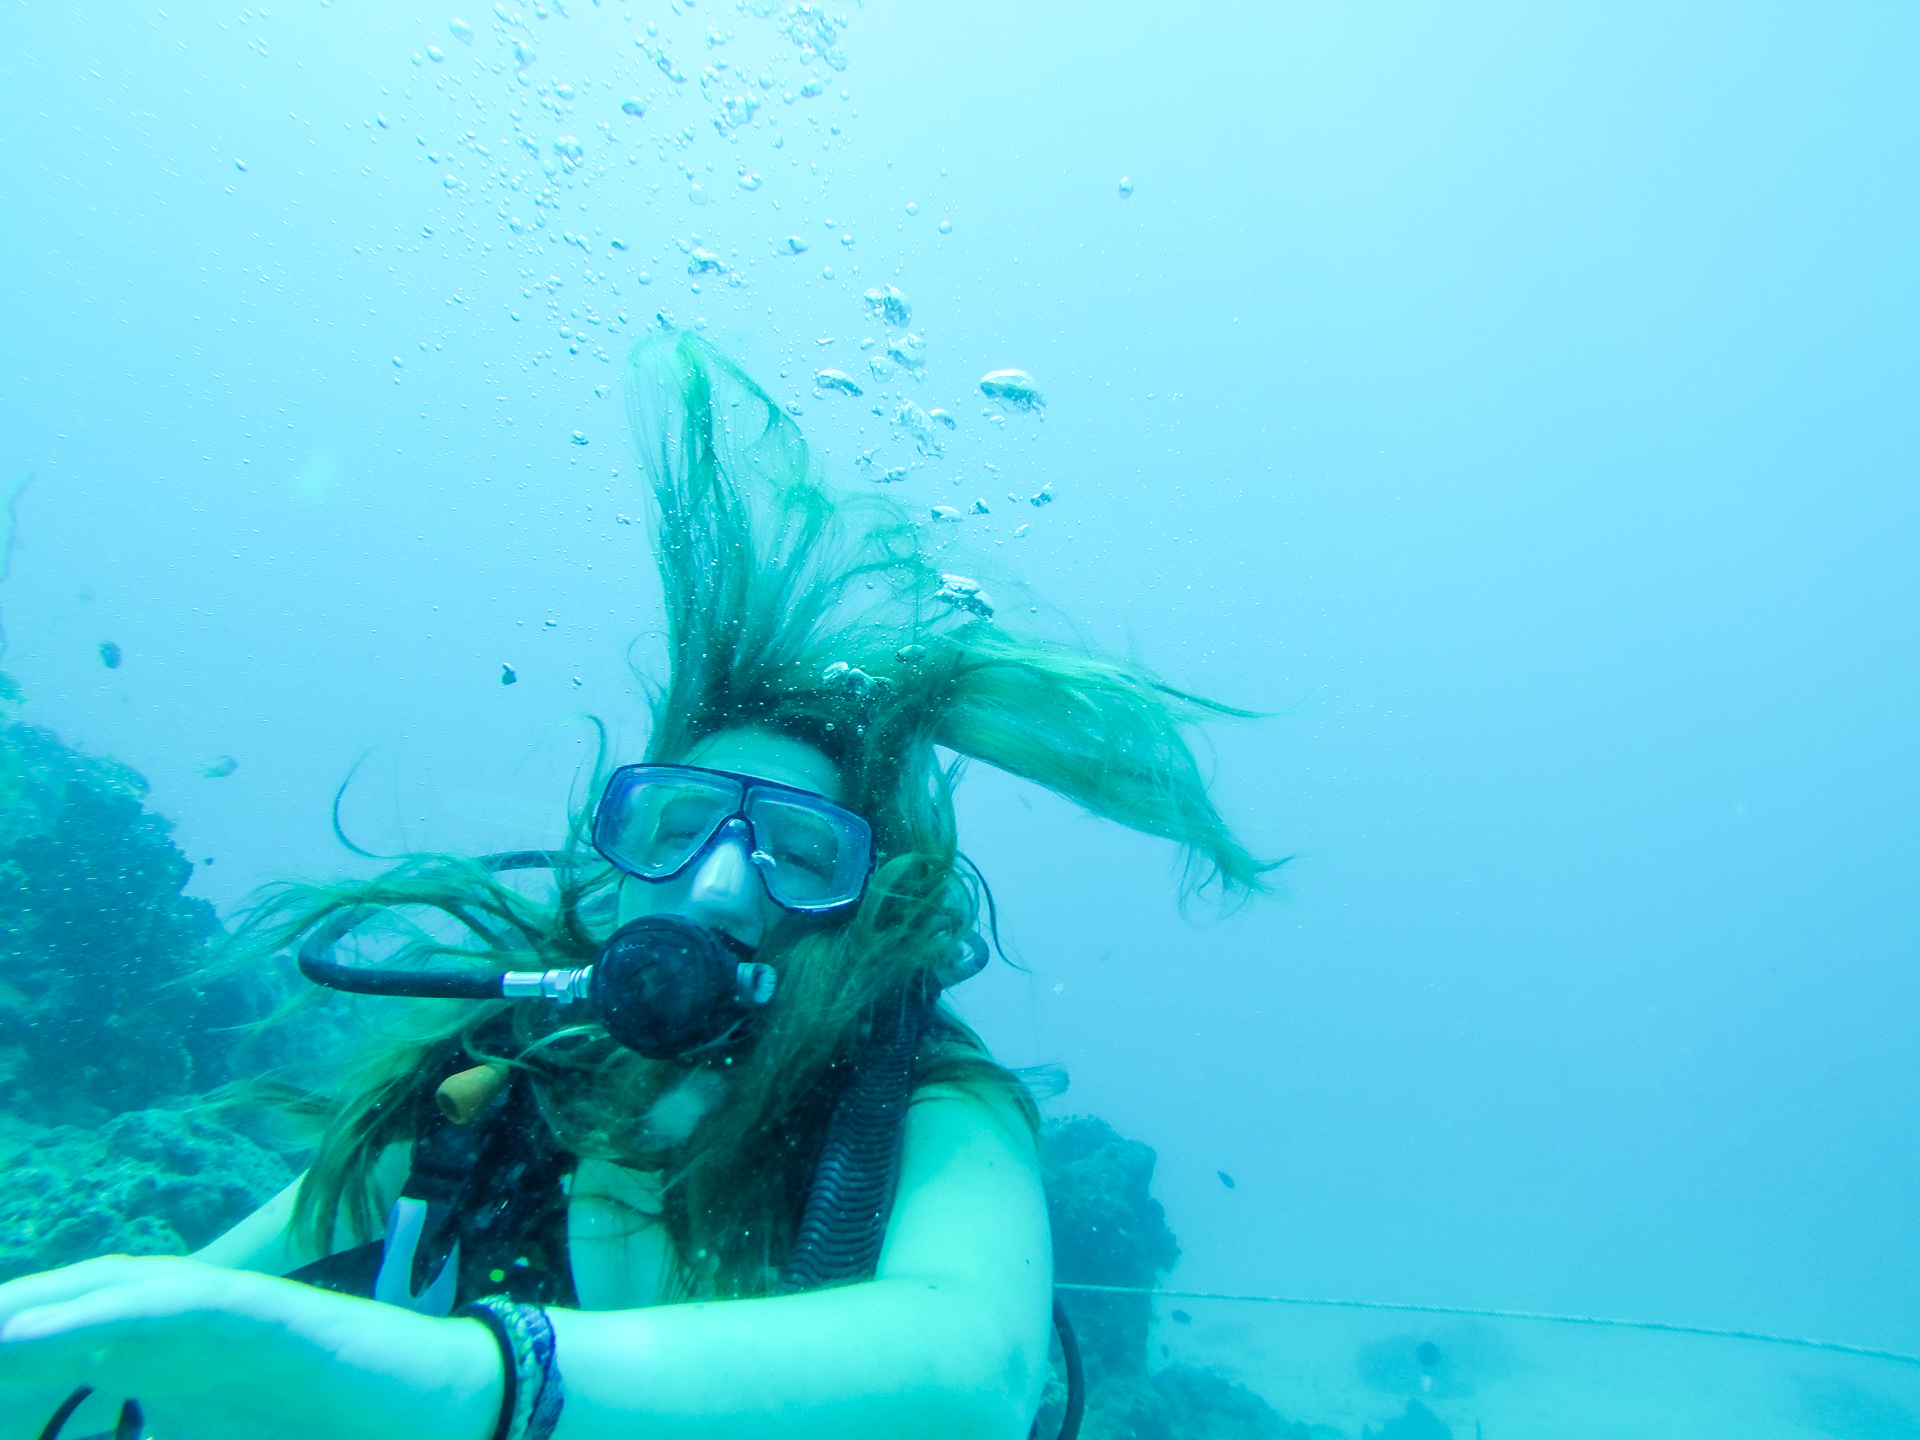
821,616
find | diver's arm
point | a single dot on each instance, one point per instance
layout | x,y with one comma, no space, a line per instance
949,1340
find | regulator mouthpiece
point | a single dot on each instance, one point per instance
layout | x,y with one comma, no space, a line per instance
666,988
663,987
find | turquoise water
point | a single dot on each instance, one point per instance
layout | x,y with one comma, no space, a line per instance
1517,402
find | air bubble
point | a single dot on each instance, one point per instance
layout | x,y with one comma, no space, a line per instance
912,208
634,106
697,194
749,182
434,54
1012,387
462,31
451,181
1126,186
794,245
827,274
946,227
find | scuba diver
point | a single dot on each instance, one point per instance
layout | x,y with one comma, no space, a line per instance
684,1142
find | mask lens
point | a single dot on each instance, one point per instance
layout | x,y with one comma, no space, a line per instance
653,826
819,855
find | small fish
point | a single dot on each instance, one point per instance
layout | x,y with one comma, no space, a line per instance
910,654
838,380
507,677
1013,387
220,768
1181,1317
109,654
1225,1179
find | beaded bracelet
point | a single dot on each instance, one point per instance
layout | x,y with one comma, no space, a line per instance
532,1394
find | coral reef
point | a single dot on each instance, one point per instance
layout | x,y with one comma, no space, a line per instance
1109,1230
97,943
148,1182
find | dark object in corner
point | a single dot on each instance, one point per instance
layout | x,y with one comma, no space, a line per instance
109,654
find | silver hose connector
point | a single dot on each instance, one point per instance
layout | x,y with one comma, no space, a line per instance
565,986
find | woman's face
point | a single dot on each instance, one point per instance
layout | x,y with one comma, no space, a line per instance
723,890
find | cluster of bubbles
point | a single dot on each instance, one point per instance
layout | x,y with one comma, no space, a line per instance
900,353
590,167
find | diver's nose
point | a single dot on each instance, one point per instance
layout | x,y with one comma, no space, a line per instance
722,895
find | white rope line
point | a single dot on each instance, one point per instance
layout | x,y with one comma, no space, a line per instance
1836,1345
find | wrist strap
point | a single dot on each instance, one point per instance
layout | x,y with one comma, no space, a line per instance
531,1394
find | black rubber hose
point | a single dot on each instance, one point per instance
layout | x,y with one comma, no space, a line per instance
457,983
58,1420
1076,1371
846,1215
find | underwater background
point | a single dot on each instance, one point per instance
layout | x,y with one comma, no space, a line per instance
1517,404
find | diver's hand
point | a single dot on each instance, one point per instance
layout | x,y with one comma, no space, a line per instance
217,1354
